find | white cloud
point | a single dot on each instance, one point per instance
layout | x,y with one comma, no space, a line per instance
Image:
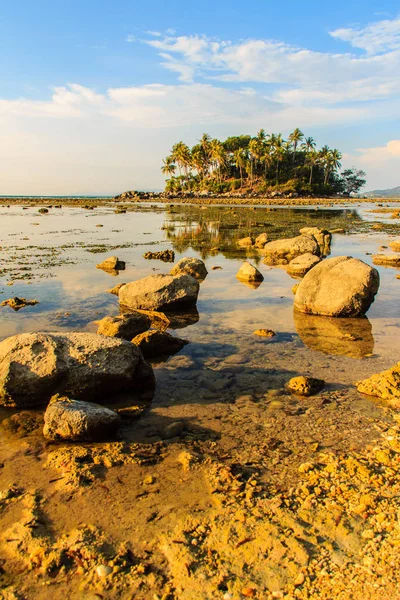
381,163
81,140
383,36
301,74
130,38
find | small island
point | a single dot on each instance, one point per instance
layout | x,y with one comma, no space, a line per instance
265,164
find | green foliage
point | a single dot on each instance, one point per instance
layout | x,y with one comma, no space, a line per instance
265,162
352,180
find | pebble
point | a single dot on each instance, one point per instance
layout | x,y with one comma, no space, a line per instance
103,570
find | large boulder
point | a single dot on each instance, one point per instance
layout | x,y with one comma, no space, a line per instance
78,421
338,287
281,252
323,237
85,366
299,266
191,266
160,292
158,343
124,326
385,385
248,272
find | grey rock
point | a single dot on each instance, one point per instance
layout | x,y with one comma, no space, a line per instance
338,287
248,272
191,266
300,265
124,326
158,343
160,292
85,366
323,237
283,251
74,420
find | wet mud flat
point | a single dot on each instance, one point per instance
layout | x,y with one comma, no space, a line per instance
227,485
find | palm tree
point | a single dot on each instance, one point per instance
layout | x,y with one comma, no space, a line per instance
309,144
217,156
295,137
332,163
181,155
168,166
312,160
205,143
267,159
240,161
279,156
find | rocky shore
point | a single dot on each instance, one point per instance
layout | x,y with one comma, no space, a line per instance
138,463
202,198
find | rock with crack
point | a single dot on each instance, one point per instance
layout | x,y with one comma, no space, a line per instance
77,421
300,265
338,287
112,263
281,252
124,326
158,343
191,266
248,272
85,366
323,237
158,292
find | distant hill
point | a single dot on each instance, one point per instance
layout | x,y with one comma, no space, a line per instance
392,193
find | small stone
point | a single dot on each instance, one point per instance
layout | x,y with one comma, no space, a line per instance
149,479
305,386
268,333
300,579
103,570
248,272
173,430
248,592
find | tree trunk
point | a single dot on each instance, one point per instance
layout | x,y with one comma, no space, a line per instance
311,170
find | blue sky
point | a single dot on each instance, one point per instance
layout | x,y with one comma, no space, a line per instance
93,94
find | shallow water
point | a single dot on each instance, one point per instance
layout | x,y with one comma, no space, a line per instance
52,258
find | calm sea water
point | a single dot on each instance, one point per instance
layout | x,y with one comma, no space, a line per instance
52,258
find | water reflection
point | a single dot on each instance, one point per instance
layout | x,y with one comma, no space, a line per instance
219,227
343,337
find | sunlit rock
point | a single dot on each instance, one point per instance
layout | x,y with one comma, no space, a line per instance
339,287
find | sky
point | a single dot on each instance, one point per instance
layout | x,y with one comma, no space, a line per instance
93,94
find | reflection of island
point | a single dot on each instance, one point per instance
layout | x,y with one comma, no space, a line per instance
331,335
218,228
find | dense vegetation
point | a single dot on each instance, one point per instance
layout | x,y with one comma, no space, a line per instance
264,163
